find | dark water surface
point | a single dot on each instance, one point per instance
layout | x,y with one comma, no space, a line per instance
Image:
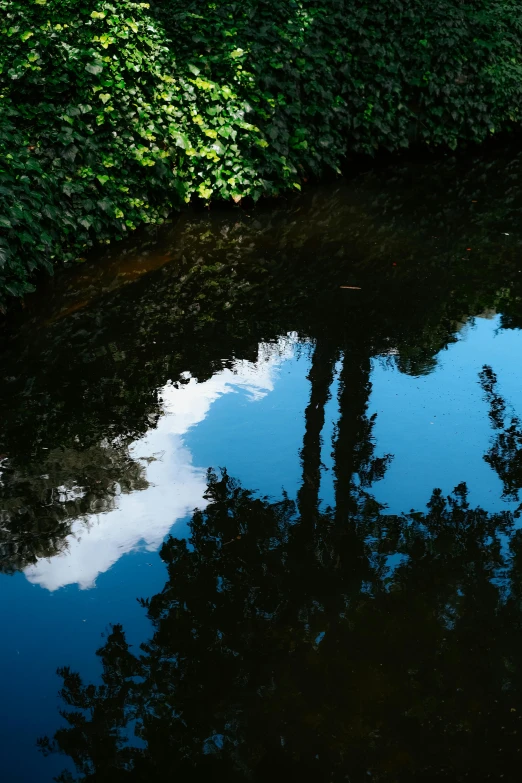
340,597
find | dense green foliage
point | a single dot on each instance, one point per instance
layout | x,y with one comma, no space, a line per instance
327,76
100,128
114,113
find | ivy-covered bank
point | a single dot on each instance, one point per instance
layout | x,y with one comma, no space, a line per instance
114,113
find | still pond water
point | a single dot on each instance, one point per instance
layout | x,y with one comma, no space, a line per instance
339,598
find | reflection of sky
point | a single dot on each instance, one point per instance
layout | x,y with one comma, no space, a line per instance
176,486
249,420
436,426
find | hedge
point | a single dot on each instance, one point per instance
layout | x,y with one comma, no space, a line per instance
113,114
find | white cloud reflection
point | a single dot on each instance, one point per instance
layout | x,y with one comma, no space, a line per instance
142,519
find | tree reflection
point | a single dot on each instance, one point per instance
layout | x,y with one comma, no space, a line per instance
321,377
505,454
276,657
355,466
39,503
293,641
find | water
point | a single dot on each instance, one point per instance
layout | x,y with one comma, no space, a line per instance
339,598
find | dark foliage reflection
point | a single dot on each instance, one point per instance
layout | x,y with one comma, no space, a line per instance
293,641
378,645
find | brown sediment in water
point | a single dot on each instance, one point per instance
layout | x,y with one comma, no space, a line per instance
72,289
104,278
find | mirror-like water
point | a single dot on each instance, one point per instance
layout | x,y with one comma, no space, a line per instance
340,596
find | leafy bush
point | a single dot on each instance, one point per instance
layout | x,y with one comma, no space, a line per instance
327,76
114,113
102,129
